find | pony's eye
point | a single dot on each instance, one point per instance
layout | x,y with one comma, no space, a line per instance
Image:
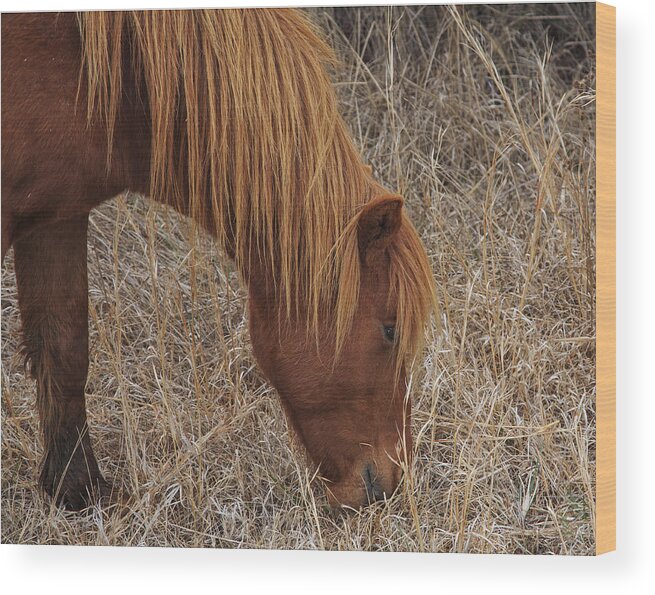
390,333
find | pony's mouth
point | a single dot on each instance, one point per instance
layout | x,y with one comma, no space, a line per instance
373,484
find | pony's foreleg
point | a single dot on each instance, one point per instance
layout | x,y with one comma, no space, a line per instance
51,274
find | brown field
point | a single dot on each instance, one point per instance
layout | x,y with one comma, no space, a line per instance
484,119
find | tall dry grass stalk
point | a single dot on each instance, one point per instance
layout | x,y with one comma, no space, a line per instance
483,117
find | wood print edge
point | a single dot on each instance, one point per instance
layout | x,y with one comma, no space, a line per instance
605,519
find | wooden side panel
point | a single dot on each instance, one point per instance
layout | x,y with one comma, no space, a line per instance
606,278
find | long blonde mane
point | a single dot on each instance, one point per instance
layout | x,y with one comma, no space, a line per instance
246,137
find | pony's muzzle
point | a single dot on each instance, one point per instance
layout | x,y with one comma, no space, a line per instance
370,485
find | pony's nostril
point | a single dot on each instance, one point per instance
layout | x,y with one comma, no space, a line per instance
374,490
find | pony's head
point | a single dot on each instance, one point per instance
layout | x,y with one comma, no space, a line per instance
343,384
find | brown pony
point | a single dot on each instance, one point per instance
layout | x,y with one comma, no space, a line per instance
228,116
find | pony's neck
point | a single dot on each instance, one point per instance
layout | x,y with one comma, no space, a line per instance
244,133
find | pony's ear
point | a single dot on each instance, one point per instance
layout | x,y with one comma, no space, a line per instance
378,223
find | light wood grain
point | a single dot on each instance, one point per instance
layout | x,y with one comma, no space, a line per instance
606,278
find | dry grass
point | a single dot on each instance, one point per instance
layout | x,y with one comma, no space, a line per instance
484,119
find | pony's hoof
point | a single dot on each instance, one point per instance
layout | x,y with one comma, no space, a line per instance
79,497
78,491
74,482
